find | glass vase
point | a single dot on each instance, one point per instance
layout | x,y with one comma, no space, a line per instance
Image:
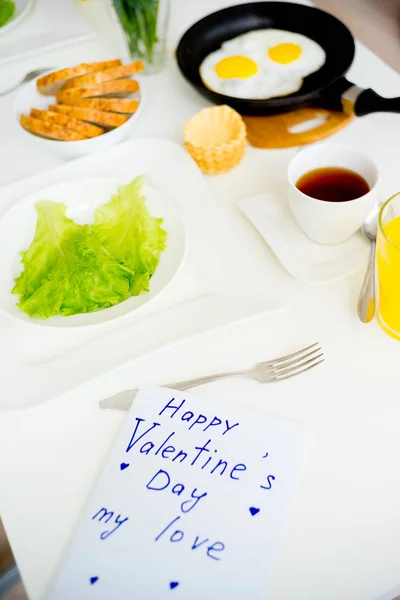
144,24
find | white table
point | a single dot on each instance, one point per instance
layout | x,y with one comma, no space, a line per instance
343,534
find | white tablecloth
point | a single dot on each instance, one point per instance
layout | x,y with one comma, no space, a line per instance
343,534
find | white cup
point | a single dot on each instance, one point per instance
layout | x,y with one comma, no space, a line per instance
331,222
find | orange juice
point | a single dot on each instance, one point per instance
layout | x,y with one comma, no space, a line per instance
388,259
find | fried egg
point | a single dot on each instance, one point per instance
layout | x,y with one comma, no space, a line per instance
262,64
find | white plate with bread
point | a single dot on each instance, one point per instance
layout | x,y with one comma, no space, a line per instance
82,109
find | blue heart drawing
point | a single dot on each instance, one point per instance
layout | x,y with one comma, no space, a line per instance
93,580
123,466
173,584
253,510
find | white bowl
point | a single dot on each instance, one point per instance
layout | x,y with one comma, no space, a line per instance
29,97
82,196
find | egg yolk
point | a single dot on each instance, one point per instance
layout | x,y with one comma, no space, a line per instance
285,53
236,67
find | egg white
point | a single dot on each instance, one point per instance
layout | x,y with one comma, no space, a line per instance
272,79
311,59
259,42
264,84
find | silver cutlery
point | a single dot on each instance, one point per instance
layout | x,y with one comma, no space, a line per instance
271,371
366,306
28,77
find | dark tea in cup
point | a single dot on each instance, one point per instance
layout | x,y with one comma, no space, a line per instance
333,184
331,190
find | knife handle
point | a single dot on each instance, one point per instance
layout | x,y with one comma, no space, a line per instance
124,400
121,401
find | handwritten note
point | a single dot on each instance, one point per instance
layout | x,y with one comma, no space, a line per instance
191,504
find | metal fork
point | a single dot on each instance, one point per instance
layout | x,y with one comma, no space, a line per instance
270,371
28,77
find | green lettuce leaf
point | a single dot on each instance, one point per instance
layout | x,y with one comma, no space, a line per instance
7,10
71,269
130,234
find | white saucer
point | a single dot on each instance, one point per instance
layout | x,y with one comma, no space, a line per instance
304,259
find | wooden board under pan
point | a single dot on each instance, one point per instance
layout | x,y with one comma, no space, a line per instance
274,131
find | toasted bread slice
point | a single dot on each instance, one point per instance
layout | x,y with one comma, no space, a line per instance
91,115
49,84
50,130
108,104
104,76
67,121
119,88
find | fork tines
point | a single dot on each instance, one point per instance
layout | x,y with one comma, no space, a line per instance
293,364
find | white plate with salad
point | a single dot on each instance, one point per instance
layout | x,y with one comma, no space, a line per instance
86,251
12,12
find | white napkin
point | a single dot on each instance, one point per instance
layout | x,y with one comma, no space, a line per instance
304,259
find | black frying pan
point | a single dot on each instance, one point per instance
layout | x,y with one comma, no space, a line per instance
327,87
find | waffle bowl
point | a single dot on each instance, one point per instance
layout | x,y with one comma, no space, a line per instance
216,139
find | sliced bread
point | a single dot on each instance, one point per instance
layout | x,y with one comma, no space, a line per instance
120,88
91,115
50,130
105,75
116,105
86,129
51,83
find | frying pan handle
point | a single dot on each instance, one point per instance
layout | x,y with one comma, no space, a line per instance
362,102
